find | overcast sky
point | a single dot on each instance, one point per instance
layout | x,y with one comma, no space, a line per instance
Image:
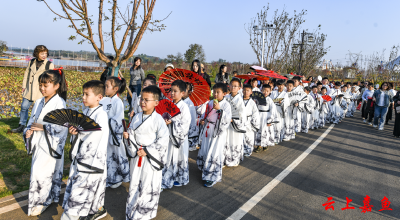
351,25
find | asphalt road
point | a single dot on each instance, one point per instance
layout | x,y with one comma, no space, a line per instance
353,160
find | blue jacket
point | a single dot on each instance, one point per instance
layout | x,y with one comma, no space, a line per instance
388,97
367,93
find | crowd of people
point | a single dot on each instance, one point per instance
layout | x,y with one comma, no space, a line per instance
152,153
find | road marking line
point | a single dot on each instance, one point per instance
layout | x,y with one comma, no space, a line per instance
271,185
19,205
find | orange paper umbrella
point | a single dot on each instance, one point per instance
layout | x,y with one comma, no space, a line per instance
258,77
201,91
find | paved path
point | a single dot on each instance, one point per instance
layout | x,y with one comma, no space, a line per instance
350,160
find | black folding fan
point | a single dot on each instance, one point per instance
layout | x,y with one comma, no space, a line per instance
259,98
71,118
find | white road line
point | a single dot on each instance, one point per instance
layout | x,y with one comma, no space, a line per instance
18,205
271,185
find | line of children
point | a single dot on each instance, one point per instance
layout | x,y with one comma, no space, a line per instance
155,153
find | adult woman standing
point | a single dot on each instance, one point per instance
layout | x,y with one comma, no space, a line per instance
30,84
137,76
196,67
382,97
222,76
396,129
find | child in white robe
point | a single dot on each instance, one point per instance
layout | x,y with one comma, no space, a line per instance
280,126
324,111
289,110
117,161
297,113
252,120
233,151
86,186
335,105
148,138
254,83
353,102
215,121
45,141
194,128
265,136
176,170
309,106
315,117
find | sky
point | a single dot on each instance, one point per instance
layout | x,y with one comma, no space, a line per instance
218,25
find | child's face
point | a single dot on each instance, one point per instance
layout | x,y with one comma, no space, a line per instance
289,87
353,89
176,94
147,83
323,92
254,83
281,87
319,87
344,89
110,89
90,99
148,102
306,91
218,94
296,82
247,93
266,91
235,86
315,90
48,89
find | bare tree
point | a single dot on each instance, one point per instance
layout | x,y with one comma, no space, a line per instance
277,41
133,23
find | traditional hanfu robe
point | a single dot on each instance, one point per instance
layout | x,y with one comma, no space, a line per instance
151,133
297,113
210,158
280,126
288,109
352,105
117,161
194,128
307,119
86,184
266,134
233,151
200,110
47,149
323,114
252,125
335,106
316,111
344,104
177,164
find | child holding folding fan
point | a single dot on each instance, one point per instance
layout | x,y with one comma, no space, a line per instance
45,141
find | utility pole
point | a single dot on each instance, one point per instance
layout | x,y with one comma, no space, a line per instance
309,40
267,27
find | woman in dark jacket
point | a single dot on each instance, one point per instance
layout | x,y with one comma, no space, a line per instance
222,76
396,130
198,68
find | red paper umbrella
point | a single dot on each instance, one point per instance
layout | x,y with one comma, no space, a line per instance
252,77
201,91
305,81
167,109
327,98
295,75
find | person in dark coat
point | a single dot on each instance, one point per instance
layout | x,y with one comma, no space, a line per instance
396,129
222,76
198,68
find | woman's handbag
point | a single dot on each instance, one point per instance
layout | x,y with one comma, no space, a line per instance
398,109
